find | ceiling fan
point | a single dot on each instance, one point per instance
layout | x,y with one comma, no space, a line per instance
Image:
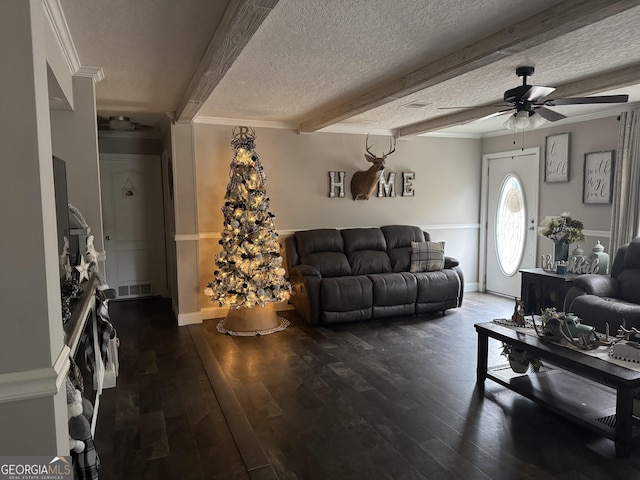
529,107
120,123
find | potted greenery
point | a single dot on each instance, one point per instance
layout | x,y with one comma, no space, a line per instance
519,360
562,230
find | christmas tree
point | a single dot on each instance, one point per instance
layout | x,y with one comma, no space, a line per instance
248,273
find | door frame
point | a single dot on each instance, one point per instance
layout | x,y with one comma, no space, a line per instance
484,205
106,157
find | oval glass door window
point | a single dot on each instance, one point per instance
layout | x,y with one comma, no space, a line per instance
510,225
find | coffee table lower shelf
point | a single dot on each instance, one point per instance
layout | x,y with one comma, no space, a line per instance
590,391
581,400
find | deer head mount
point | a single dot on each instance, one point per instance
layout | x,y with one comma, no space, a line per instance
363,183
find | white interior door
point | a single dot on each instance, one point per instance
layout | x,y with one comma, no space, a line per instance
133,225
511,218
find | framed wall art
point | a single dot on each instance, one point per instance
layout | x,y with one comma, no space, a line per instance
556,165
598,177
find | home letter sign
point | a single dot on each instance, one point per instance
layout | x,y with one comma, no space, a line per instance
407,186
333,184
387,188
386,185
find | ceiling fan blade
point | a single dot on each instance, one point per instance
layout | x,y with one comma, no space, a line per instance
587,100
495,105
535,93
491,115
549,114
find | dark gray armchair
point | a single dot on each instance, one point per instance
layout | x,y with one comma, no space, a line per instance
602,299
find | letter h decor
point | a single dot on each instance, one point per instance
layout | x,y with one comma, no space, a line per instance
336,184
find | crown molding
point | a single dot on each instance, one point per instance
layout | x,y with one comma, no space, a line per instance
337,128
245,121
58,22
95,73
450,135
355,130
55,15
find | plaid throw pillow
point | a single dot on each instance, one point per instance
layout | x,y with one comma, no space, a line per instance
427,256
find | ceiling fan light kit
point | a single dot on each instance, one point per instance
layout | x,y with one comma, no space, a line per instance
521,119
120,123
524,119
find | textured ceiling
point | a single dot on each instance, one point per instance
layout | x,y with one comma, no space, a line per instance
148,49
309,54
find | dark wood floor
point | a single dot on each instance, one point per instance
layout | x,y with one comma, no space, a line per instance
375,400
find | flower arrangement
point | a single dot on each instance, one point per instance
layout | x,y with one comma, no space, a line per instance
563,228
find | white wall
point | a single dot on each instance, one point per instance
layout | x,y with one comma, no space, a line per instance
81,157
447,188
555,198
186,224
33,358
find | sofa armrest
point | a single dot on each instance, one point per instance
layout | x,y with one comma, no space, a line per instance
599,285
591,284
305,292
301,271
450,262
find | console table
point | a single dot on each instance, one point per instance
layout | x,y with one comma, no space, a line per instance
542,289
588,390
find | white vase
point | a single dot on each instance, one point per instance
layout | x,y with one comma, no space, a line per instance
603,258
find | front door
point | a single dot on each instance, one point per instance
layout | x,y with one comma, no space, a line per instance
132,213
511,218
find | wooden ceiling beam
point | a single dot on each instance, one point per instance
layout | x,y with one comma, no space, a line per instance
239,23
620,78
623,77
563,18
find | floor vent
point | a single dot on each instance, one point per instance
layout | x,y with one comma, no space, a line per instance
609,421
134,290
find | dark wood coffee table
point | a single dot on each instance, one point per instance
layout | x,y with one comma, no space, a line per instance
588,390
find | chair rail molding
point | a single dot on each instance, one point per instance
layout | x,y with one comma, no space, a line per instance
37,383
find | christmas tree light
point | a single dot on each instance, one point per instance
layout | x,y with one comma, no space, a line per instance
248,270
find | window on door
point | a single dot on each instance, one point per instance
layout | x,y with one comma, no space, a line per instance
510,225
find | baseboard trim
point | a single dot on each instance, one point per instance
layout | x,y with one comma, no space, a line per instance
471,287
37,383
189,318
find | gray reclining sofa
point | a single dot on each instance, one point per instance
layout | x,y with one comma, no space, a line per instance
365,273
